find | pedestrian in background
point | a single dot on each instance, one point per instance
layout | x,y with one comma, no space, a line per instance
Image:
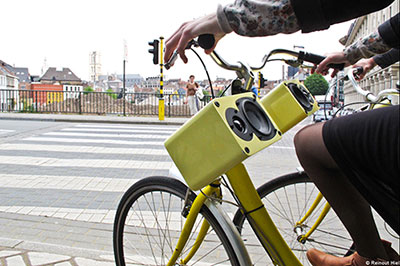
191,88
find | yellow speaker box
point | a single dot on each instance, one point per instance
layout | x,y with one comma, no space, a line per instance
230,129
221,135
288,104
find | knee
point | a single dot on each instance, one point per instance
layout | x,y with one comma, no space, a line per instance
302,140
307,142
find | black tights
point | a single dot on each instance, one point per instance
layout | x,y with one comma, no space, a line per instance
352,209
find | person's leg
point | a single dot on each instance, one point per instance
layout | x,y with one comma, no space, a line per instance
191,105
352,209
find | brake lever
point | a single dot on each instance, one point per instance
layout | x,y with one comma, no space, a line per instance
174,56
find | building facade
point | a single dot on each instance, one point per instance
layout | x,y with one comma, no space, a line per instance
24,78
46,93
9,95
377,79
94,65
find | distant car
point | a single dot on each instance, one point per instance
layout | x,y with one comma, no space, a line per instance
322,115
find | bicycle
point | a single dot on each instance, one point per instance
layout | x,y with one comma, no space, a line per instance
162,212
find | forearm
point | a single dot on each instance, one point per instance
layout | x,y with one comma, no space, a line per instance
258,17
388,58
366,47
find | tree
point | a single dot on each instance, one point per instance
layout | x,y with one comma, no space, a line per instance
316,84
112,94
87,90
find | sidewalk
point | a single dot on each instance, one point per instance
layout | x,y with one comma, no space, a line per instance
20,253
94,118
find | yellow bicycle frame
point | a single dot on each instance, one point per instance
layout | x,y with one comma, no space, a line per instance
190,220
255,211
258,216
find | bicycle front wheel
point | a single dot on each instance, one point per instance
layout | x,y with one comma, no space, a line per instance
148,224
287,199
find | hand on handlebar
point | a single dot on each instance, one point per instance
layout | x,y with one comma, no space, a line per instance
190,30
332,58
366,64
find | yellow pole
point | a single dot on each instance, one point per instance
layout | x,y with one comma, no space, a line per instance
161,109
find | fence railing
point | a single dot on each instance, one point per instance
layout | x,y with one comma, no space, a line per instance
101,103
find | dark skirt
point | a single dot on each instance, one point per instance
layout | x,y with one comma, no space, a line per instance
366,147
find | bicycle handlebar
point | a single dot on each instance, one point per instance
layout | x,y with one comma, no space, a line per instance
206,41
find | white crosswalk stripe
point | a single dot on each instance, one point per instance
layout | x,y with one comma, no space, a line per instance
95,163
99,141
66,182
5,131
104,135
145,128
80,149
74,129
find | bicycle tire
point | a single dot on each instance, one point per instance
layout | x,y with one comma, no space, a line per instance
286,206
164,197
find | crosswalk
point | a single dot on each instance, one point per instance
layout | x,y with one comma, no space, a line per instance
81,171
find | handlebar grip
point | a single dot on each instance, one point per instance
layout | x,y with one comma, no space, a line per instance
316,59
359,70
206,41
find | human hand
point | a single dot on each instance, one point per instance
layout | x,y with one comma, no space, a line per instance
366,64
332,58
190,30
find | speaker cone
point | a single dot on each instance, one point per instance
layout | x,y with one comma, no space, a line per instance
301,95
238,124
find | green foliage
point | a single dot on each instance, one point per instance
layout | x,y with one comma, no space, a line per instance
316,84
87,90
112,94
219,94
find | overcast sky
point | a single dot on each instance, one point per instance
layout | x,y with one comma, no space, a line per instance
65,32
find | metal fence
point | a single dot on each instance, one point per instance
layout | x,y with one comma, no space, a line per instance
101,103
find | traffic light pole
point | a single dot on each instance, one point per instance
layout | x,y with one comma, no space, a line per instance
161,106
123,86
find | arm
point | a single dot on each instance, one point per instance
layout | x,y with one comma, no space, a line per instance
378,42
388,58
268,17
245,17
382,60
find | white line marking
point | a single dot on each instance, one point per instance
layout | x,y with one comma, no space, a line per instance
66,182
5,131
91,163
168,132
126,127
81,149
102,141
103,135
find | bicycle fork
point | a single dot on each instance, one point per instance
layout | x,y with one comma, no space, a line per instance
206,197
188,226
302,238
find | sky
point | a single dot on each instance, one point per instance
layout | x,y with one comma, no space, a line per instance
65,32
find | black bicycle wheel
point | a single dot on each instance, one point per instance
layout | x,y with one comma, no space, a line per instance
148,223
287,199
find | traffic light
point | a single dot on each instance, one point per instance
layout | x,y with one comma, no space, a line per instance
261,80
154,51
